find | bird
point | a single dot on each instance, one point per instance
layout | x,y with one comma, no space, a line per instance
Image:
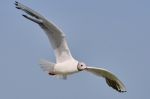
65,64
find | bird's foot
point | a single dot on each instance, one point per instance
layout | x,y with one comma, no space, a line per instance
52,74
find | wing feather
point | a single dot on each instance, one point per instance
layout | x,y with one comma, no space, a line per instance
55,35
110,78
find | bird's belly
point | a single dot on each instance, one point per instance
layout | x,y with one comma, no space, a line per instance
65,70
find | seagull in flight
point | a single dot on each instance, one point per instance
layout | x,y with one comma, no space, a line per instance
65,63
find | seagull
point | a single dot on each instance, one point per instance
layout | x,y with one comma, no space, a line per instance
65,63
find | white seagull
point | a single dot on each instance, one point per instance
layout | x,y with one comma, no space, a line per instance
65,64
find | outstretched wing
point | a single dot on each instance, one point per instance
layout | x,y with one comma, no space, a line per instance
55,35
110,78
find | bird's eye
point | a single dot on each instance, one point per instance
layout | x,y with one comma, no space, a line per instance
81,65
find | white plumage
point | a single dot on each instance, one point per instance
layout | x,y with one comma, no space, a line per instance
65,63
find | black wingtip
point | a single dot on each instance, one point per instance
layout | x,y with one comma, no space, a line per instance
18,8
16,3
115,85
24,15
122,91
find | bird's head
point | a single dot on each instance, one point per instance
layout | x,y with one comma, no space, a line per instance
81,66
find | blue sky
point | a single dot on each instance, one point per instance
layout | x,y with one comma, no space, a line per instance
113,34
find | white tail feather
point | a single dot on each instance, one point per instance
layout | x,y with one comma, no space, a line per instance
47,65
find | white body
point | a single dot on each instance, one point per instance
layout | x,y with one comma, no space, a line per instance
65,63
66,68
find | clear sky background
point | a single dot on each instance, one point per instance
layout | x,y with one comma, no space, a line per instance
113,34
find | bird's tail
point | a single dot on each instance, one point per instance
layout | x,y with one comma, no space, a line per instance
47,66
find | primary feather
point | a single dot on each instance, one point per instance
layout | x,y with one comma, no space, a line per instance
110,78
55,35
